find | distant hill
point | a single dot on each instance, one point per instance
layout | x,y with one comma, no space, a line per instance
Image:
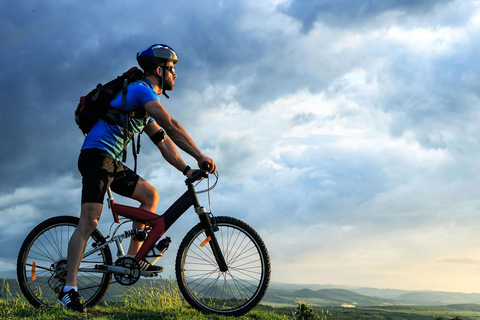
323,297
12,287
331,295
381,293
439,298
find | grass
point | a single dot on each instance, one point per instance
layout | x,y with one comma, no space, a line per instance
158,300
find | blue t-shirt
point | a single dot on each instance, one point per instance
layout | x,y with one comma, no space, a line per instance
108,137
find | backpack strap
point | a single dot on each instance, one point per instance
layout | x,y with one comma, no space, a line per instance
112,116
126,133
137,114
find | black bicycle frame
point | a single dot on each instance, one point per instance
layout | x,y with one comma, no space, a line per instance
160,224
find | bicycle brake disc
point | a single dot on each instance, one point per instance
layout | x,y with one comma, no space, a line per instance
133,276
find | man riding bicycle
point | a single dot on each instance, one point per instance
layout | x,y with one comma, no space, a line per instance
100,159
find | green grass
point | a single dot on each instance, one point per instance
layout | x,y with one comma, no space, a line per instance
154,301
16,310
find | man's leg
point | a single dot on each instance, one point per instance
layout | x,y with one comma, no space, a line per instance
148,197
90,214
69,297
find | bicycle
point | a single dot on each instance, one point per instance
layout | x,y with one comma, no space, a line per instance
222,265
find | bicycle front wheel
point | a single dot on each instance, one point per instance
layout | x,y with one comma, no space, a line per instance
235,291
42,263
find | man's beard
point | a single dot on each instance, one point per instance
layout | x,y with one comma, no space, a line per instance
168,85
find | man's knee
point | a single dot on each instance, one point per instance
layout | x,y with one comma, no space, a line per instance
89,217
146,194
152,198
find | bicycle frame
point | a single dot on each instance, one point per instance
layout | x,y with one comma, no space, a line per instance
159,224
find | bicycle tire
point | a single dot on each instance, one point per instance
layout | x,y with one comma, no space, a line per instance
230,293
41,264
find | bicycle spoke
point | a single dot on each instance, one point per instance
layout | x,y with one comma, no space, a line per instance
42,263
55,245
239,288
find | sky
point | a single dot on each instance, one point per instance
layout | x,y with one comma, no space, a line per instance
345,132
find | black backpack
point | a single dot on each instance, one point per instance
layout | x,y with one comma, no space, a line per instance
96,105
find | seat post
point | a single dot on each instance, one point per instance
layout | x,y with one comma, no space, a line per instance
111,203
110,198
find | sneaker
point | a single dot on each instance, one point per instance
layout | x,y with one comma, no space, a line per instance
71,301
148,269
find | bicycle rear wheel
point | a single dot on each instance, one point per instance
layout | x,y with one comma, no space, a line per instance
234,292
42,263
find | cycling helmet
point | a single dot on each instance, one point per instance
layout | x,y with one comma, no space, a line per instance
150,57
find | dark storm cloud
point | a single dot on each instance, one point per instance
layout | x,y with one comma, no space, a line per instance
53,54
345,13
40,71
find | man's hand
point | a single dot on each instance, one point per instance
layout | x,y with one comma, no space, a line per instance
207,164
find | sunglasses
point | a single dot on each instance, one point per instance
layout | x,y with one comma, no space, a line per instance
171,69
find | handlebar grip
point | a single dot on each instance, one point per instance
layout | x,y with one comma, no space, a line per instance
206,166
197,175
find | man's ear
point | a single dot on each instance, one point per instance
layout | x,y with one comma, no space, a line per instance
159,71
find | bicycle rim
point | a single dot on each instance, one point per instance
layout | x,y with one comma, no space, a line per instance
235,291
41,266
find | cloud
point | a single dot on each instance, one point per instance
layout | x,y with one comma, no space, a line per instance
350,13
25,207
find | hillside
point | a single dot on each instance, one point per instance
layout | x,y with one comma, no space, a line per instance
322,297
439,298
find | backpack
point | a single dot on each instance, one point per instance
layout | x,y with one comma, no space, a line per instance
96,105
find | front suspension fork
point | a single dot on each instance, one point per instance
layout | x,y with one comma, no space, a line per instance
210,229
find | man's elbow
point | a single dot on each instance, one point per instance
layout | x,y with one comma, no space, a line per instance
170,127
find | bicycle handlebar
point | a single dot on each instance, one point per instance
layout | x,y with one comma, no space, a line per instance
206,166
197,175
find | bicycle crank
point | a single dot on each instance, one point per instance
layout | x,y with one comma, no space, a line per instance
130,278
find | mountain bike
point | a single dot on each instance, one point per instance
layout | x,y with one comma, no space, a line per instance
222,265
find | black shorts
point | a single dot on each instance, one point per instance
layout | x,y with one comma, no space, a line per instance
99,171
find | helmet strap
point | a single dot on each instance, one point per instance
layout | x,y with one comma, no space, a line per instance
163,82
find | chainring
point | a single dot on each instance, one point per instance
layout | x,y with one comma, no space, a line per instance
133,276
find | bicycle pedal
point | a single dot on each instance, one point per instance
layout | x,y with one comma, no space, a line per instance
151,274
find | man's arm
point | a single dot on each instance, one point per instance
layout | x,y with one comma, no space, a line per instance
166,147
176,133
174,130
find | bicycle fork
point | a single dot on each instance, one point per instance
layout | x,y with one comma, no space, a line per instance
210,229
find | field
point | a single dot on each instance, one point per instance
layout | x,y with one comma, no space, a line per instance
155,301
